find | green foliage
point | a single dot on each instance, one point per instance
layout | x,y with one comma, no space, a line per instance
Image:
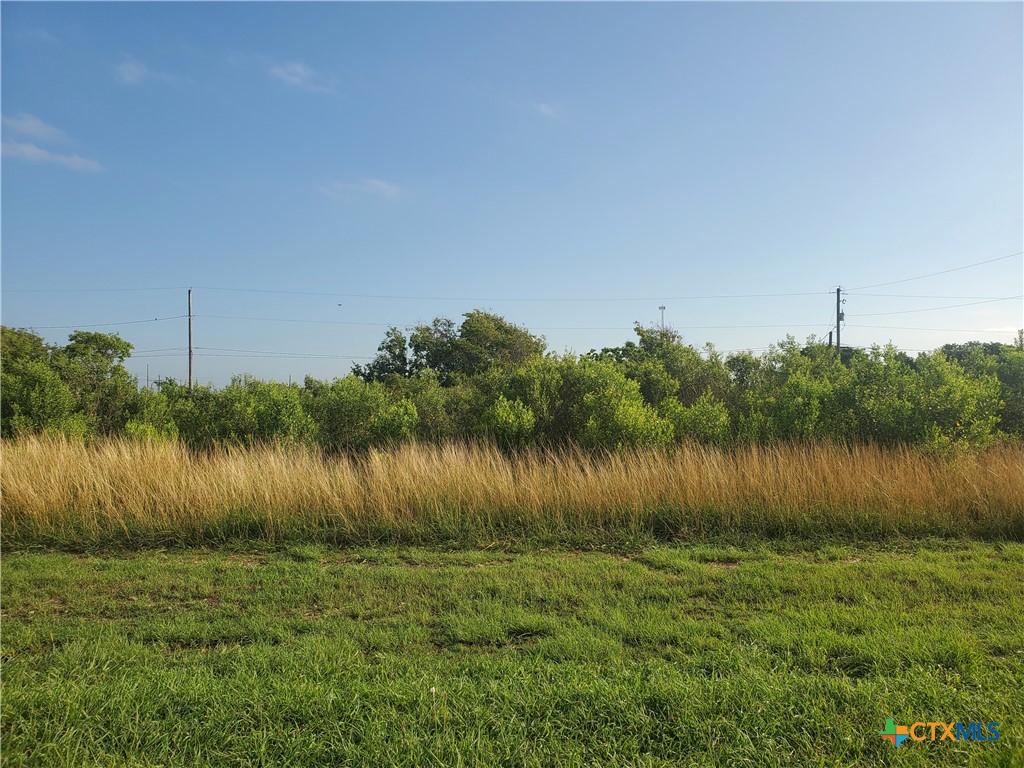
35,399
19,347
91,366
509,423
489,377
267,411
437,407
392,359
154,420
665,366
195,413
1010,372
488,340
75,390
612,410
582,400
935,403
482,341
706,421
956,410
350,413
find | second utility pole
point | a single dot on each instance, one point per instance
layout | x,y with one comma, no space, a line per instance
839,318
190,338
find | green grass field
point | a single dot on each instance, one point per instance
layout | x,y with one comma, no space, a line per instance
666,655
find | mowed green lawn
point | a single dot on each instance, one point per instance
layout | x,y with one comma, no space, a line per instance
669,655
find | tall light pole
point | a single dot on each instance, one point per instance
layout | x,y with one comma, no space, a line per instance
662,308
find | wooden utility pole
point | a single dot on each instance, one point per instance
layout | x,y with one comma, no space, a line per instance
839,320
190,338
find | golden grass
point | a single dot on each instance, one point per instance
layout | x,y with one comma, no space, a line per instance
67,494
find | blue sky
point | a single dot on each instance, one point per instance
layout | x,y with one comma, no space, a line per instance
427,159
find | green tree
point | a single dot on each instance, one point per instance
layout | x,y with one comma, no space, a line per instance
659,360
482,341
91,366
1010,372
392,359
19,347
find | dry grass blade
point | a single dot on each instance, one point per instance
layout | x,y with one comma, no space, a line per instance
63,493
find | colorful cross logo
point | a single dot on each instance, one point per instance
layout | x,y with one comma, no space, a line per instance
894,733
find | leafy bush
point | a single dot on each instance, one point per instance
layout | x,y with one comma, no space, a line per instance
36,399
509,423
706,421
154,420
490,378
351,413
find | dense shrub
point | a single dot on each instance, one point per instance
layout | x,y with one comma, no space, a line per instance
706,421
350,413
490,379
154,420
509,423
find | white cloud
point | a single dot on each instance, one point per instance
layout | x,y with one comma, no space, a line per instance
546,109
131,71
39,155
38,34
348,189
298,75
34,128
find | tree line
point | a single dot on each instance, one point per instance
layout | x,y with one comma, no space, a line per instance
488,379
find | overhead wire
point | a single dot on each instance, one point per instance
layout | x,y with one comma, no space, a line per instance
532,327
916,328
104,325
275,353
941,272
935,309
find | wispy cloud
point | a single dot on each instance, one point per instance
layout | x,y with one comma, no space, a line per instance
37,34
298,75
545,109
34,128
131,71
349,189
39,155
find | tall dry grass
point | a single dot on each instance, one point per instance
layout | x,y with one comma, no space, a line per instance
120,493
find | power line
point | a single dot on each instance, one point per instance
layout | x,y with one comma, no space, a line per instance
268,355
91,290
420,298
916,296
532,327
942,272
299,320
498,299
910,328
274,352
102,325
934,309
